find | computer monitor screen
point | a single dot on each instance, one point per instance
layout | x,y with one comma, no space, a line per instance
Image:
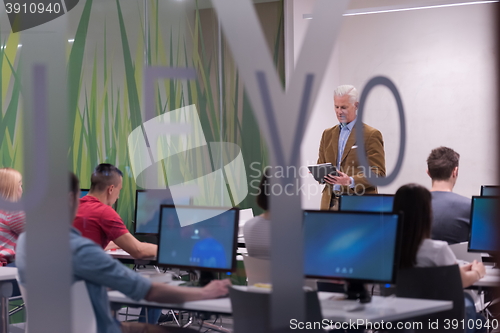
207,245
83,192
483,225
356,246
147,209
490,191
381,203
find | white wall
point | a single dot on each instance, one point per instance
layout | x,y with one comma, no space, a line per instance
321,117
443,62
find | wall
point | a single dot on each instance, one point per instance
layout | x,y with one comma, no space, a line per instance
443,62
108,50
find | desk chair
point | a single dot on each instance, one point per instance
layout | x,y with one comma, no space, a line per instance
251,310
257,270
81,308
438,283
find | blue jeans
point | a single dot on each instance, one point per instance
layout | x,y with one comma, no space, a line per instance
472,315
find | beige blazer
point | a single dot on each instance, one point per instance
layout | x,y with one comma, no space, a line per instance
349,164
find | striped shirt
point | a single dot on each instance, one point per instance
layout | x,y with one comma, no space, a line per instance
11,226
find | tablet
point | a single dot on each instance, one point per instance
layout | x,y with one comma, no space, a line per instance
319,171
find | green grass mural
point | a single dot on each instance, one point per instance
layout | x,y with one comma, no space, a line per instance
104,110
10,110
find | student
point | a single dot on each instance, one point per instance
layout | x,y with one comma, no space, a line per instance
99,271
11,223
99,222
451,211
257,231
96,219
419,250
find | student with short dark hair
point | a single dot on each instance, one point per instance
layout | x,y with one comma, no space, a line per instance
99,222
451,211
100,272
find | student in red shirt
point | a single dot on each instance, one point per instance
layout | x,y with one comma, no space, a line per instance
99,222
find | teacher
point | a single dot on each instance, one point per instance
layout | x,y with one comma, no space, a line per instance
338,147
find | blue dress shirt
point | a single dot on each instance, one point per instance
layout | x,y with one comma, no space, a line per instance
345,131
99,271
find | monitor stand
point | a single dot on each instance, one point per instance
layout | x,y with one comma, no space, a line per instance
206,277
357,291
491,259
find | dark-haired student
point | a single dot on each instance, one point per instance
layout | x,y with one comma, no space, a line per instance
451,211
419,250
257,231
99,222
100,272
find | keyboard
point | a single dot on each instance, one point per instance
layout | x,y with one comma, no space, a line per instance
118,252
492,271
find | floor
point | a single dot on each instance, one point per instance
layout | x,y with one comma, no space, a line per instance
224,322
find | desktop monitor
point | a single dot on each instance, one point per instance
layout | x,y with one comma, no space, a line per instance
483,225
147,209
490,191
209,245
359,247
83,192
381,203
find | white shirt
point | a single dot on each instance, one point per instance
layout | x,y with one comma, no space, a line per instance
435,253
257,233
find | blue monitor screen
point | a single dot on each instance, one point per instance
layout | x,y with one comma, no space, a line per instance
83,192
366,203
490,191
147,209
355,246
208,245
483,223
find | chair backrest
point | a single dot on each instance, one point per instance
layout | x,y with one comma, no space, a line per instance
83,317
257,270
251,310
438,283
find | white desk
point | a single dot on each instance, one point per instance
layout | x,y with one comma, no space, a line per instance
119,254
381,308
491,279
220,305
488,281
127,258
7,274
386,308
